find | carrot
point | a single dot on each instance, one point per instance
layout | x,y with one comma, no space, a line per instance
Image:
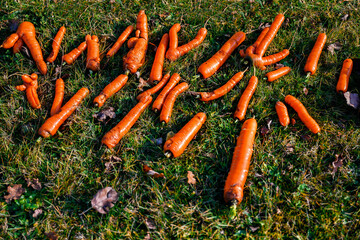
209,96
142,25
170,100
251,49
313,58
245,98
157,67
158,103
173,38
93,53
120,41
343,83
282,113
131,42
112,138
304,116
56,44
272,76
74,54
18,45
110,90
59,97
268,60
156,88
176,145
10,41
209,67
30,85
53,123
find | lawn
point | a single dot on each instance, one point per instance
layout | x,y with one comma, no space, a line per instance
292,191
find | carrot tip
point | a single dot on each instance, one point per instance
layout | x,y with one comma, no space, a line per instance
168,154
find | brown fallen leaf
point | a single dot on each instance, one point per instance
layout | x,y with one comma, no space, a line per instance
150,224
337,163
305,90
254,229
104,200
345,17
191,178
147,237
15,192
34,183
142,84
279,65
289,148
105,114
37,213
52,236
150,172
264,25
110,165
306,137
352,99
334,46
264,130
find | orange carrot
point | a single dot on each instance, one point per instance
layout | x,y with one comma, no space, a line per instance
53,123
251,49
120,41
56,44
313,58
74,54
173,37
30,85
131,42
272,76
156,88
142,25
343,83
157,67
304,116
170,100
93,53
245,98
59,97
158,103
112,138
110,90
177,144
10,41
282,113
209,67
18,45
268,60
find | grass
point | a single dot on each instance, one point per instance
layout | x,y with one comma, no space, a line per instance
290,191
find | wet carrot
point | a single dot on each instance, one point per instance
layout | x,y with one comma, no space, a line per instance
343,82
313,58
282,113
93,53
56,44
156,88
272,76
157,67
30,86
158,103
59,97
120,41
245,98
70,57
110,90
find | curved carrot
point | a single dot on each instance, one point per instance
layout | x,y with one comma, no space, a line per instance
158,103
170,100
120,41
344,77
93,53
142,25
177,144
208,96
56,44
53,123
110,90
157,67
10,41
18,45
70,57
156,88
282,113
112,138
59,96
209,67
131,42
251,49
313,58
173,37
245,98
272,76
304,116
240,163
30,85
268,60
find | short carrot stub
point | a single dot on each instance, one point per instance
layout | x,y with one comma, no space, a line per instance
343,82
282,113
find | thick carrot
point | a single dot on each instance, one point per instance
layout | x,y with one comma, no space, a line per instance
30,85
112,138
245,98
313,58
303,114
343,83
59,97
56,44
70,57
120,41
93,53
18,45
168,105
209,96
156,88
235,181
268,60
158,103
131,42
110,90
10,41
282,113
209,67
142,25
272,76
177,144
53,123
157,67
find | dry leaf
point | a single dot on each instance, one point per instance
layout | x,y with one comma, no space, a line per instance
345,17
37,213
279,65
264,130
104,200
305,90
142,83
289,148
254,229
191,178
334,46
52,235
337,163
34,183
306,137
137,74
150,172
105,114
147,237
110,165
352,99
268,122
150,224
264,25
15,192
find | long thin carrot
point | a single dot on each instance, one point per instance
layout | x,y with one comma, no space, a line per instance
112,138
271,59
70,57
157,67
282,113
59,97
93,53
303,114
110,90
272,76
209,67
168,105
56,44
158,103
245,98
120,41
18,45
313,58
156,88
176,145
343,82
173,37
30,85
53,123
